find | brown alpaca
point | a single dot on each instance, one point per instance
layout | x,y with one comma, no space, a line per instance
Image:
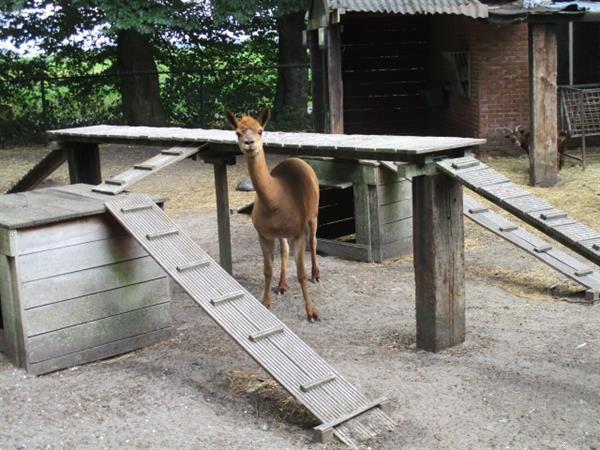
287,200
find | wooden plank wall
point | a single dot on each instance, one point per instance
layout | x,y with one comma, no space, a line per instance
86,290
384,72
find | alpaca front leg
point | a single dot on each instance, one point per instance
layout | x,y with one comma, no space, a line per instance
285,253
312,313
268,250
312,226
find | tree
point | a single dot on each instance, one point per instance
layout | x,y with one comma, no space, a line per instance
85,33
291,98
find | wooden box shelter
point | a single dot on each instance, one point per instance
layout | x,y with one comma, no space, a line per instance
74,287
365,210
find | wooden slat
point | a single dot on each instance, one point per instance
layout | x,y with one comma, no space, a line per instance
393,212
377,62
346,250
91,281
78,257
93,307
99,332
71,232
10,302
38,173
384,76
100,352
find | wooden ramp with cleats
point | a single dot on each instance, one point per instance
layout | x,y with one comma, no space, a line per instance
138,172
498,189
344,412
532,244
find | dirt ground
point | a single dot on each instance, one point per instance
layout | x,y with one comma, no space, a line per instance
527,376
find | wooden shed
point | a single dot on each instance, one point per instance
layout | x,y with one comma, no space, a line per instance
452,67
74,286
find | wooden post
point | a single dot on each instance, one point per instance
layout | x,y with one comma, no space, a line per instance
84,163
221,187
438,244
318,87
543,116
334,79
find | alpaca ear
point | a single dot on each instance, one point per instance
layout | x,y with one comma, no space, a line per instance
264,116
231,118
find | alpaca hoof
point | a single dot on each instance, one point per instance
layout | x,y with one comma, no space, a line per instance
282,288
313,317
316,276
266,304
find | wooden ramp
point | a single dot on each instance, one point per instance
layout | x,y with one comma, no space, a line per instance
554,257
342,409
138,172
497,188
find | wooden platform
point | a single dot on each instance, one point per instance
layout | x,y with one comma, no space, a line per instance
500,190
385,148
344,411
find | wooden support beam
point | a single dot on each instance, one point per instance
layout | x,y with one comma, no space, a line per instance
40,171
317,62
84,162
334,79
222,191
543,105
438,244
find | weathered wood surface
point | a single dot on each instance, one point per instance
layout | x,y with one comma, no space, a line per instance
46,166
85,282
100,352
223,222
14,340
75,258
283,355
42,206
100,305
335,86
543,102
98,332
123,181
386,148
539,214
318,80
84,162
532,244
438,242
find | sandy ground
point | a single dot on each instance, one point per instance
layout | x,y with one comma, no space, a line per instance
527,376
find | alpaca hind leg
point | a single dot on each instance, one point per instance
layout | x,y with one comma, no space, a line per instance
312,227
268,250
298,243
284,248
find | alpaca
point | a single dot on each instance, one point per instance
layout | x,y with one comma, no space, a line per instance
287,200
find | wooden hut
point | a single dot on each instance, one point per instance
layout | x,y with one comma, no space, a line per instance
451,67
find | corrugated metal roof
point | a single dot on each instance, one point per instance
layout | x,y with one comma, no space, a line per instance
470,8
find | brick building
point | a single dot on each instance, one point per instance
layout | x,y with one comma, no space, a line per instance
450,67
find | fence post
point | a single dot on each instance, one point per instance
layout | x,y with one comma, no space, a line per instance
44,104
202,121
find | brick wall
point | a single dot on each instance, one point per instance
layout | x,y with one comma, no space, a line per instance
499,77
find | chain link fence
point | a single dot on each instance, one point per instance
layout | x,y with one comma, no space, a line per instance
189,98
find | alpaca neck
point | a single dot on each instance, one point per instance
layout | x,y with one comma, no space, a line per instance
264,183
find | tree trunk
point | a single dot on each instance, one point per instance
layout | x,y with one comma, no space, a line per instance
291,98
140,92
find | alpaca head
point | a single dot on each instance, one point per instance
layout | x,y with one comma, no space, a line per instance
249,131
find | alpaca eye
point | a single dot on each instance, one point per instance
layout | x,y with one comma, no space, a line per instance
238,134
260,132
